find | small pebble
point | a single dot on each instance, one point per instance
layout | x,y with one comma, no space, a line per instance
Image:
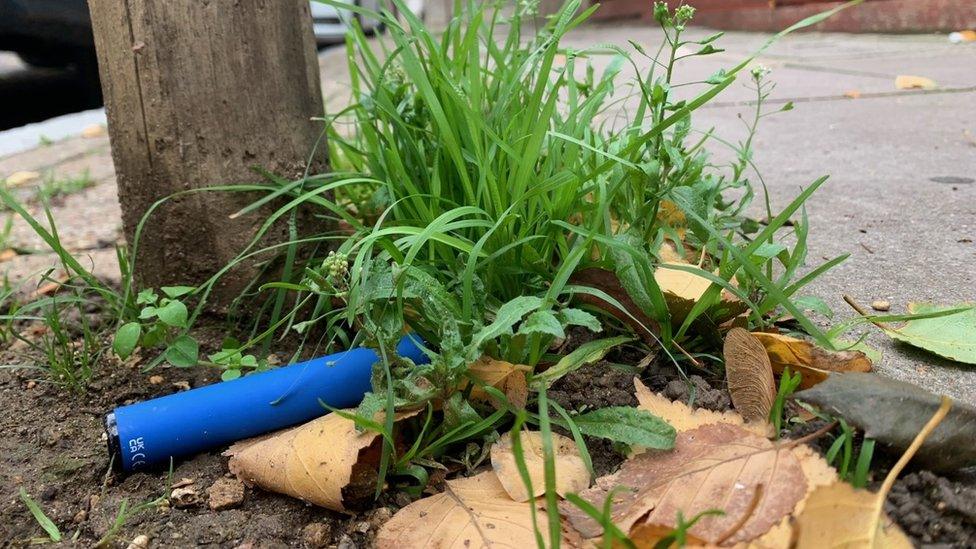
184,497
317,534
881,305
155,380
139,542
226,493
80,516
346,542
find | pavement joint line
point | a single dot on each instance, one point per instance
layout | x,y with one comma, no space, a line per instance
848,72
827,98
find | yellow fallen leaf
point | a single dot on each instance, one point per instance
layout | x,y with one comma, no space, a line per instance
507,377
7,254
325,461
683,418
813,362
749,374
571,472
841,516
683,289
21,178
909,82
720,466
470,513
93,131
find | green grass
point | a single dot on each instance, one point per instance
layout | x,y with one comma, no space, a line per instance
53,187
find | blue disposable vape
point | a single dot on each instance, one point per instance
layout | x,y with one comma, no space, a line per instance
151,432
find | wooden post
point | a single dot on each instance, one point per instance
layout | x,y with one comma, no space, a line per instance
198,92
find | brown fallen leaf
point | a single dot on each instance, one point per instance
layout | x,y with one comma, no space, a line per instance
749,374
909,82
507,377
682,290
571,472
812,361
606,281
841,516
325,461
471,512
683,418
49,287
718,466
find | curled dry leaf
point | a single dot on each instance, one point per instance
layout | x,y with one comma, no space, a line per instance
719,466
892,412
683,418
750,375
841,516
682,290
606,281
506,377
325,461
571,473
812,361
471,512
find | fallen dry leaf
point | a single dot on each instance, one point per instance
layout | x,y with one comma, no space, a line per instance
852,94
909,82
50,287
683,418
606,281
471,512
93,131
718,466
325,461
812,361
682,290
507,377
21,178
571,472
841,516
749,374
7,254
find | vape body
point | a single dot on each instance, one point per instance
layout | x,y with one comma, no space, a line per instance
149,433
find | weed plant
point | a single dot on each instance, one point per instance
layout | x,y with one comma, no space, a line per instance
473,182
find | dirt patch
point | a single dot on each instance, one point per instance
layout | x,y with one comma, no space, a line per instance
591,387
934,510
52,444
